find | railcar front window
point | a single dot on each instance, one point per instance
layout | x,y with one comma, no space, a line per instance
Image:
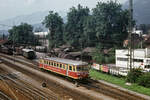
78,68
86,68
82,68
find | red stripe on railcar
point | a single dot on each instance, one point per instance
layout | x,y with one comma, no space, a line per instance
72,74
55,69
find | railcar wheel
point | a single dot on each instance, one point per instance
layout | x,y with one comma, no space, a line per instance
43,84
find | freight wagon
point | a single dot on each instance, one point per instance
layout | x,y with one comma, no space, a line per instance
111,70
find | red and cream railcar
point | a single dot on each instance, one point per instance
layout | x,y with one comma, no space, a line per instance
70,68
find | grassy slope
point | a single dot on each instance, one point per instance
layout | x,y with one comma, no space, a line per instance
119,81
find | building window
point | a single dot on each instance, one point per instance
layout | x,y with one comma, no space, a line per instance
147,66
148,61
138,60
122,59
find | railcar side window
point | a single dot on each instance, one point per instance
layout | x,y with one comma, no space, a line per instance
57,65
45,62
40,60
73,68
70,68
54,64
63,66
60,65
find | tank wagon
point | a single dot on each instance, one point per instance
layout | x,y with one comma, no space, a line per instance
77,70
29,53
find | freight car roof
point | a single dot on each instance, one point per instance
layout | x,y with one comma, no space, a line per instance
66,61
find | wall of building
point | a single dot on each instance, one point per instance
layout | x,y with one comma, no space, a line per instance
140,58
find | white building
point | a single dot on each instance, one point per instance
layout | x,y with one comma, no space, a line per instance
141,58
138,32
42,37
41,34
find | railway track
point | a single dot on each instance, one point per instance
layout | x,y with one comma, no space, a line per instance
62,92
99,87
4,96
17,83
111,91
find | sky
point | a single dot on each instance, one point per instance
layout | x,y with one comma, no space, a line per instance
13,8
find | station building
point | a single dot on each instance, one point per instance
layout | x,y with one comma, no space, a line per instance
140,58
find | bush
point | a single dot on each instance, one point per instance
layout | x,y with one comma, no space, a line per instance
133,75
98,57
144,80
111,59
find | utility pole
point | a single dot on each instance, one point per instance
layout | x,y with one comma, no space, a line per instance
14,44
130,32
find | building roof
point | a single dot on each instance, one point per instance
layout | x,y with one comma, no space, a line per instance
27,50
66,61
89,49
3,41
41,33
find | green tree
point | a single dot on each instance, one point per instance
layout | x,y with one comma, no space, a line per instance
111,23
54,23
74,28
22,34
90,32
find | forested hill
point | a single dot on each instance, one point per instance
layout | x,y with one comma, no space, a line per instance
141,11
34,19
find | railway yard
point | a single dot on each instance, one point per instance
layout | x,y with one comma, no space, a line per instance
21,79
